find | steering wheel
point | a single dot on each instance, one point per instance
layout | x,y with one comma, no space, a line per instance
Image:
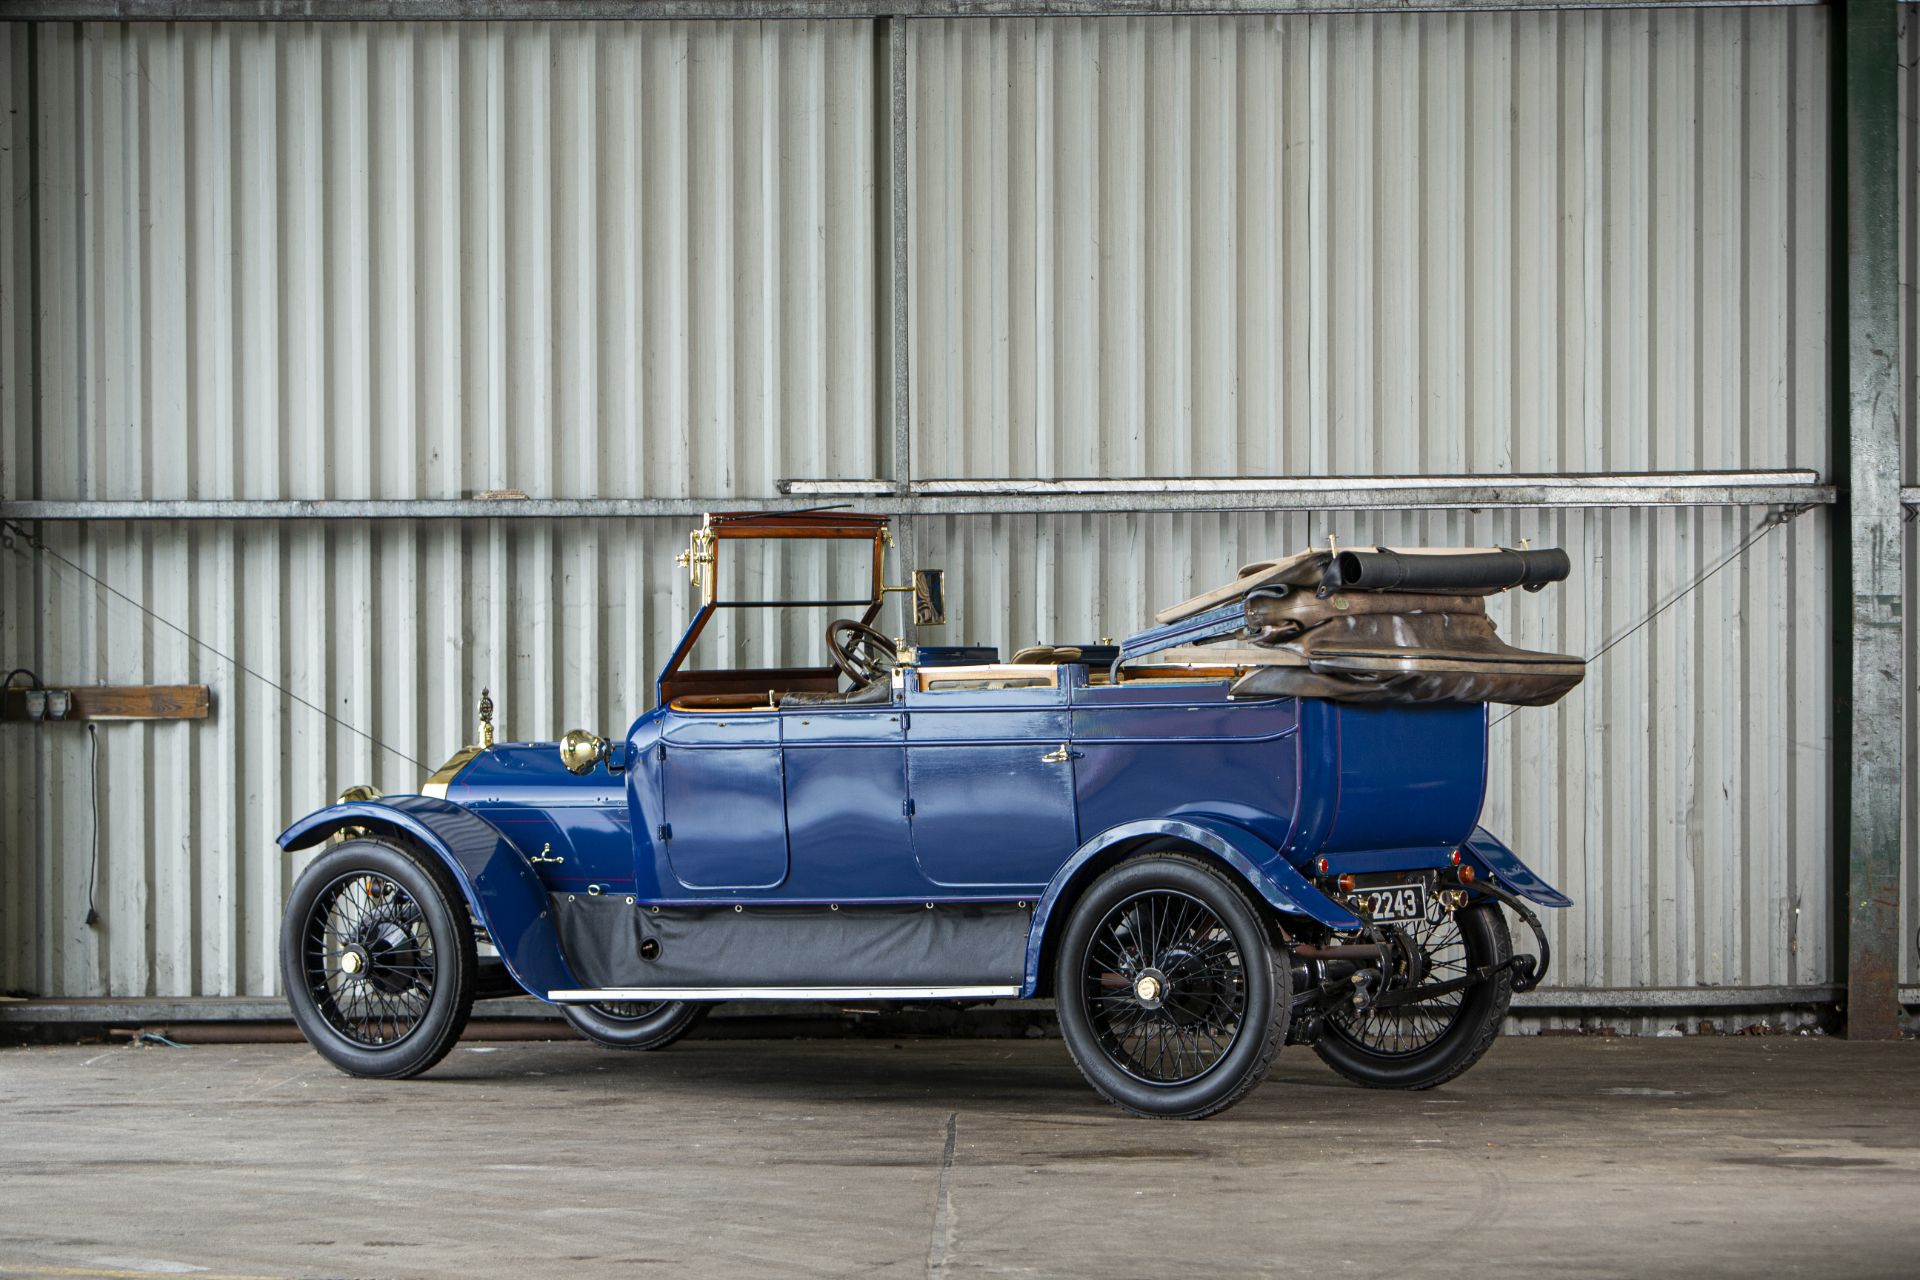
862,653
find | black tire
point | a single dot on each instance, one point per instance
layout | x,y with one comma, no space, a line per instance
653,1025
1213,966
400,1004
1465,1031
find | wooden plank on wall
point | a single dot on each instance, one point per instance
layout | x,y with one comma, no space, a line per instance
121,702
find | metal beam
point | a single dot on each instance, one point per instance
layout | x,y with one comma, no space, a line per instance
1714,481
1867,582
761,10
896,332
1661,999
134,1011
1464,493
897,322
148,1010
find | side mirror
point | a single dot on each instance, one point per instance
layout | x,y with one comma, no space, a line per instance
929,597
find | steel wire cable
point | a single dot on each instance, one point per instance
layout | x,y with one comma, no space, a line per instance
1772,522
1784,516
35,542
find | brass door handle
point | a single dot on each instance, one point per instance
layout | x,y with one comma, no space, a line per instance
1059,756
542,855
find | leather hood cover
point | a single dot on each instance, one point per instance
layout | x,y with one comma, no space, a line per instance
1414,658
1384,626
1406,688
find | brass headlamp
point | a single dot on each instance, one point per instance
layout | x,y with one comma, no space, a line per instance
580,750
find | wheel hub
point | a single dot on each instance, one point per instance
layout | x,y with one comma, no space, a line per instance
1198,987
1150,988
385,954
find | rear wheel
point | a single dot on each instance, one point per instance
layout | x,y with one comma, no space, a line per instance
629,1024
377,955
1421,1045
1172,999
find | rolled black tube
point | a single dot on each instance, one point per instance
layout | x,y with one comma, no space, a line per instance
1382,570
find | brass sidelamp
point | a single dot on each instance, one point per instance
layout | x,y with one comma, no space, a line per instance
580,750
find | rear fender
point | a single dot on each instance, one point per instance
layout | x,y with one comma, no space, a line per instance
1498,863
1255,863
500,885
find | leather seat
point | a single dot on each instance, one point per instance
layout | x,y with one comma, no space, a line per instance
877,692
1046,655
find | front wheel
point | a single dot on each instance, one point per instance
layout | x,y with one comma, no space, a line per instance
1172,998
628,1024
1418,1046
377,954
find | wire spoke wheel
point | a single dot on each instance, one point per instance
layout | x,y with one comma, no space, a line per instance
368,959
1165,987
377,958
1172,994
1418,1046
628,1010
1406,1030
634,1024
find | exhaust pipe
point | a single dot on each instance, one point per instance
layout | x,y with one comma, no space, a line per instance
1359,952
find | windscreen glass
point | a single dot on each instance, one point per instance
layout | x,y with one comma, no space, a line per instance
778,595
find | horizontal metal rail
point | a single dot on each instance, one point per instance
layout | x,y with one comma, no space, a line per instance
134,1011
1650,999
764,10
1014,497
150,1011
1335,484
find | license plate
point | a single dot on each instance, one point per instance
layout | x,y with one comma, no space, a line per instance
1393,903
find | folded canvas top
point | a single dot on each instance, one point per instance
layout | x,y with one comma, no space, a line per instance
1380,625
1428,570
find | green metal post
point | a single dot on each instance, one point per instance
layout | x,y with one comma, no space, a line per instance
1867,533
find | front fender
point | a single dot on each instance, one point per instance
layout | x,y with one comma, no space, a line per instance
1253,859
1494,860
500,885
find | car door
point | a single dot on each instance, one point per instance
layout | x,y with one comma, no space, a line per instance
846,768
721,799
990,776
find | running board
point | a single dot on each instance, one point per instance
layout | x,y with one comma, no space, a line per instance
782,993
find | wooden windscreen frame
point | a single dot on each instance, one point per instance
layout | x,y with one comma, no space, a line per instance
724,526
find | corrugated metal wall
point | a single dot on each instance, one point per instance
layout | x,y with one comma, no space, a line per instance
1427,245
404,261
1369,245
641,259
388,261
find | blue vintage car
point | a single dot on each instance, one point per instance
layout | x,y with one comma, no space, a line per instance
1253,824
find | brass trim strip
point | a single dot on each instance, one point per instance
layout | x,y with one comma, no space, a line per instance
436,786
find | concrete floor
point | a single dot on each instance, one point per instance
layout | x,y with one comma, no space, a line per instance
1566,1157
